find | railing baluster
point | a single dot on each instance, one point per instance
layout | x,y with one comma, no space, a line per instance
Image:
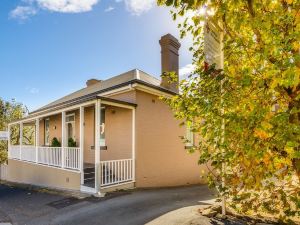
109,173
115,177
105,171
127,170
102,177
118,162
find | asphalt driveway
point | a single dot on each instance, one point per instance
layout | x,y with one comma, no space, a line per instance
21,206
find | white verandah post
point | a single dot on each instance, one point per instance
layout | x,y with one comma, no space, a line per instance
97,146
21,140
133,145
63,138
37,139
81,135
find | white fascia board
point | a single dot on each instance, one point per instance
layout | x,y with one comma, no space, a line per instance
135,86
33,118
117,91
150,90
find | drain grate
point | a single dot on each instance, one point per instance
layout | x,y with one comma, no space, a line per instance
64,202
72,200
108,196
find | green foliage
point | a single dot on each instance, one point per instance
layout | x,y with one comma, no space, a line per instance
72,143
10,111
256,96
55,142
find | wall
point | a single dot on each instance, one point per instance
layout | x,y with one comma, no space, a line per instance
28,173
54,129
129,96
118,133
161,159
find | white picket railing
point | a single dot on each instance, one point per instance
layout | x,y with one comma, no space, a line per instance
28,153
113,172
51,156
14,152
116,171
3,172
72,156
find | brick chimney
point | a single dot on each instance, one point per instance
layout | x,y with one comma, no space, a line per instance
92,82
169,60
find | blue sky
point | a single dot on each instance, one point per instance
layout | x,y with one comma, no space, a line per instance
49,48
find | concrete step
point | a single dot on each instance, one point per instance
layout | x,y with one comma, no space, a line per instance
89,175
89,170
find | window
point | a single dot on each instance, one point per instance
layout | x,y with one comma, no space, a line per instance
189,136
70,123
102,127
70,118
47,131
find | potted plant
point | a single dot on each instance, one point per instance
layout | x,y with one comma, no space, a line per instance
55,142
71,143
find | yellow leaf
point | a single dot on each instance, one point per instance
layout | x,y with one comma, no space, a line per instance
261,134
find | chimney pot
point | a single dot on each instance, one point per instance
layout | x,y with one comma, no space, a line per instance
92,82
169,60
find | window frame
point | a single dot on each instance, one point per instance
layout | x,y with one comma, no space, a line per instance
73,122
189,136
47,131
102,125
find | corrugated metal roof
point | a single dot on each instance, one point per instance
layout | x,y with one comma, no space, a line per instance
105,84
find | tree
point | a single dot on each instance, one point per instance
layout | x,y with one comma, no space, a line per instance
259,100
10,111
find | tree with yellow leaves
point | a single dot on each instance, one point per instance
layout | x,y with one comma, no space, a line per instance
259,102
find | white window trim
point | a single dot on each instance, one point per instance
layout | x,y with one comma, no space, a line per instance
102,141
69,115
45,136
190,134
73,126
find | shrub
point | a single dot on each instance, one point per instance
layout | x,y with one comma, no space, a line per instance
72,143
55,142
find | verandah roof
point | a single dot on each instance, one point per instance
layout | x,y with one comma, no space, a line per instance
74,103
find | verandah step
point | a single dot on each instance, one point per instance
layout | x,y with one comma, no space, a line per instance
89,175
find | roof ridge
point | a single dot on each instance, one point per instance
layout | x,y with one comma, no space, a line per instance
129,76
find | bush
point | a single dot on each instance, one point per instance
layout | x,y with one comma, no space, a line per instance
55,142
72,143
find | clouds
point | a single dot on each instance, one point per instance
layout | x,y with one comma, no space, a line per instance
67,6
186,70
109,9
33,90
22,12
137,7
28,8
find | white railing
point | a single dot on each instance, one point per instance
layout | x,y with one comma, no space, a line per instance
116,172
28,153
3,172
14,152
51,156
72,156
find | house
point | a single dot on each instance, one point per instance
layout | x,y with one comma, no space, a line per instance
112,134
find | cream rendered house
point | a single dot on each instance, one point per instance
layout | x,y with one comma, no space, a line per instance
125,136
